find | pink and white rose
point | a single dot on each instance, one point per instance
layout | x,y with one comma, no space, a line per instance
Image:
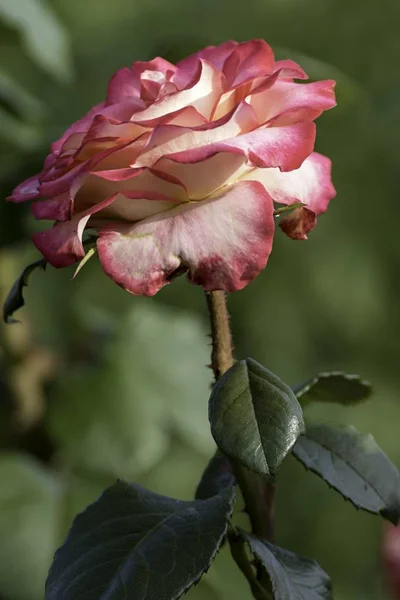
179,168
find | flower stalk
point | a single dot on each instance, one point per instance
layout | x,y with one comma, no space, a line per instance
258,495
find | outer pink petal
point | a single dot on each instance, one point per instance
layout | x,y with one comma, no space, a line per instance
310,184
27,190
80,126
288,102
72,179
203,95
288,69
213,54
248,61
283,147
123,84
62,245
216,55
54,209
223,243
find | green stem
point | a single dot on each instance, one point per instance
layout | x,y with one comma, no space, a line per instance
222,351
240,557
258,495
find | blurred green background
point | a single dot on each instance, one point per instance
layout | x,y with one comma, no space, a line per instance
96,384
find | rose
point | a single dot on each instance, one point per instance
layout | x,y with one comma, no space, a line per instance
178,169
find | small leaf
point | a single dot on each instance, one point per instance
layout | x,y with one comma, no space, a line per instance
91,252
293,577
255,417
216,477
354,465
15,298
335,386
132,543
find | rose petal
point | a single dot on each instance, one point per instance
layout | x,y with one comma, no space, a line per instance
72,179
215,55
203,95
186,116
126,83
27,190
62,245
299,223
248,61
105,183
284,147
223,242
169,139
134,206
310,184
206,176
105,127
288,69
54,209
287,102
80,126
123,84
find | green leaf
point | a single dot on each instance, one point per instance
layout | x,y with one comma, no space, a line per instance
354,465
335,386
255,417
293,577
132,543
217,476
44,36
15,298
146,388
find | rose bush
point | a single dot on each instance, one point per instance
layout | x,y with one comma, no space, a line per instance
178,169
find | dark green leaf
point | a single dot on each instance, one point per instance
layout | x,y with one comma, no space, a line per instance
15,298
293,577
255,417
354,465
133,543
217,476
336,387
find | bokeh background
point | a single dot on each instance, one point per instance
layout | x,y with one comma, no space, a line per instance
96,384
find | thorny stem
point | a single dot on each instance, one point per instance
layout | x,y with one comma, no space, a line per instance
257,494
222,353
